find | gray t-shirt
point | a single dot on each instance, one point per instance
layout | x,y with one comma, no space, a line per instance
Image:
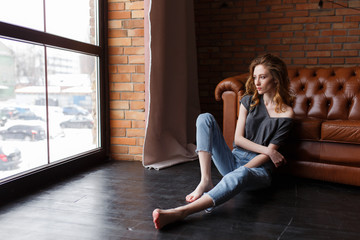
263,129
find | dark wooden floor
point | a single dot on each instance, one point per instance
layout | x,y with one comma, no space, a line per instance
115,201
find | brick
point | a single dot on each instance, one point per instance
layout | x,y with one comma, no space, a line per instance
135,115
139,87
349,53
134,5
120,78
345,39
123,141
346,25
330,19
136,33
135,150
140,68
118,59
272,15
303,47
116,6
118,149
293,54
115,24
126,69
137,41
292,27
346,11
323,12
279,47
115,33
140,141
293,41
135,132
280,21
331,60
305,61
119,41
353,60
117,114
132,96
136,23
138,78
318,54
119,15
114,96
137,14
307,6
116,50
351,45
134,50
119,105
304,20
118,132
317,40
122,87
352,18
297,14
334,33
120,123
329,47
137,105
354,32
318,26
138,124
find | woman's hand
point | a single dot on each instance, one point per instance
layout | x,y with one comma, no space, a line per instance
276,157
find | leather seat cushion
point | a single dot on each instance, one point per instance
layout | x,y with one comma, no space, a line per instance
307,129
341,131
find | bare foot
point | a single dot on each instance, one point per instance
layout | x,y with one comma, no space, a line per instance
199,191
164,217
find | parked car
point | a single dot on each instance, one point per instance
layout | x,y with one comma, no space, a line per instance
23,132
9,112
10,157
29,115
75,110
78,122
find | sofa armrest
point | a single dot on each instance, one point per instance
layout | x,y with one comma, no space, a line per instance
235,84
230,90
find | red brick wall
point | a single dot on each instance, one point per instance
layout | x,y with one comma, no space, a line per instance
126,78
231,33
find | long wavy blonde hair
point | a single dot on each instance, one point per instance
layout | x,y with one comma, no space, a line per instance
279,73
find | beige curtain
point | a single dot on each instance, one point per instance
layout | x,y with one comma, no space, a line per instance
172,101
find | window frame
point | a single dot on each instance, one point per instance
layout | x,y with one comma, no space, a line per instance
59,169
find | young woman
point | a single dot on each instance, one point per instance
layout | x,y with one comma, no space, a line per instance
265,119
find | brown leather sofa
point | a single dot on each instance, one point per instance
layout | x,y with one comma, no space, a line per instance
325,143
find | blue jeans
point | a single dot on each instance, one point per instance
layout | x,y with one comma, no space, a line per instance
230,164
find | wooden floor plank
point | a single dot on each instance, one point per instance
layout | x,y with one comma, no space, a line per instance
115,201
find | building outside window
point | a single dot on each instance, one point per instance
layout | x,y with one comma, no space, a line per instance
51,69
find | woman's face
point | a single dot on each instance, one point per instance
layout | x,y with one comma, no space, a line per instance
263,80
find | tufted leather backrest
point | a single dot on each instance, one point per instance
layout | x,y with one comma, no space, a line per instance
326,93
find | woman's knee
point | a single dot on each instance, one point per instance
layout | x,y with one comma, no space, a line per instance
205,118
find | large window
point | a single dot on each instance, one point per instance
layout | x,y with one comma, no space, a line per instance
51,83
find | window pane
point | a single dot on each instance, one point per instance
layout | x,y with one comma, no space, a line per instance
73,113
23,138
73,19
25,13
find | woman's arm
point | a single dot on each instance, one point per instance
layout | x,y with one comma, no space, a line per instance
240,140
260,159
266,152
